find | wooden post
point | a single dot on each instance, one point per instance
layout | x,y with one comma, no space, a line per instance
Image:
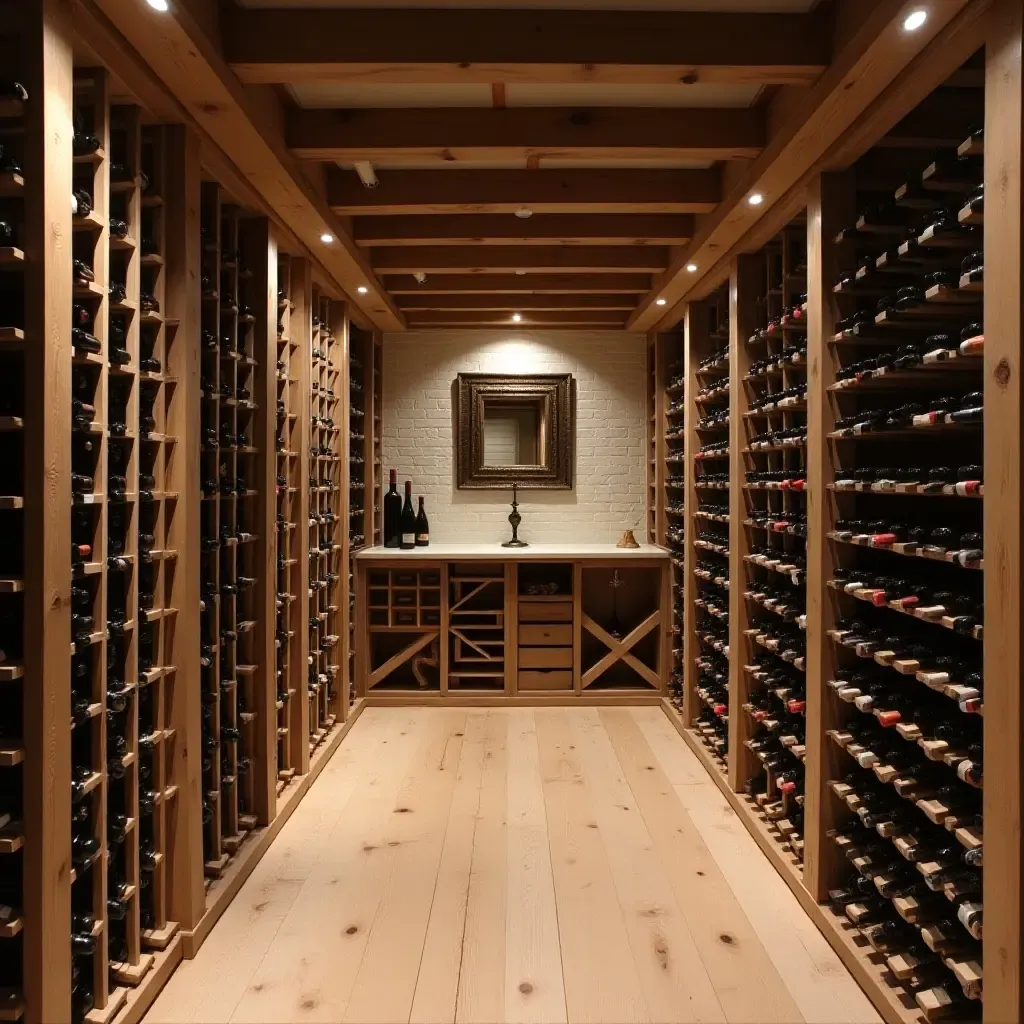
187,896
1004,509
830,206
46,684
744,282
302,718
698,346
344,681
260,254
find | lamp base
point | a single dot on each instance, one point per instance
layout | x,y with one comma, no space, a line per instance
515,544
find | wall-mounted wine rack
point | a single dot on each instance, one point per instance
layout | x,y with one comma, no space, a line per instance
835,520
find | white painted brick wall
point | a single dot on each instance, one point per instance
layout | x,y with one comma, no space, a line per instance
609,478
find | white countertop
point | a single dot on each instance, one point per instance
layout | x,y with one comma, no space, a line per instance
451,552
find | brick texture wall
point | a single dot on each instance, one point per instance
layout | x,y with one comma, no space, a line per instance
609,477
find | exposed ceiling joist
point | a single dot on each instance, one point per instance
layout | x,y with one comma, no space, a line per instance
275,46
526,284
516,303
610,319
576,259
503,229
450,135
543,191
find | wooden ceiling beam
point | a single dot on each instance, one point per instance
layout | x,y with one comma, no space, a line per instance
609,319
503,229
475,259
830,116
174,46
447,136
543,191
526,284
514,46
515,303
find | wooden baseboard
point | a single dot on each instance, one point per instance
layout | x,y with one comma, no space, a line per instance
140,999
866,966
521,700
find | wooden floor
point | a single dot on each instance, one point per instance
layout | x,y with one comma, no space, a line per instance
563,864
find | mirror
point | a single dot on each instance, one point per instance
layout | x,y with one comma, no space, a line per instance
515,429
513,433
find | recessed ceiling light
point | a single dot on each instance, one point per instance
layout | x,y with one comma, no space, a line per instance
524,213
755,199
157,5
914,20
691,268
520,273
660,302
362,289
327,238
516,317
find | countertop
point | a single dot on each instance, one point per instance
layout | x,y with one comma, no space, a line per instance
495,552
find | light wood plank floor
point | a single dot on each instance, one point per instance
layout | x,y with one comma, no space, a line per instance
521,865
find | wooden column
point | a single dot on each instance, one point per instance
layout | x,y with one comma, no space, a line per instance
344,680
698,345
744,283
46,685
187,896
302,718
830,206
1004,509
260,254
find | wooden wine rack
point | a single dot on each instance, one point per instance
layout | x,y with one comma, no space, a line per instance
293,324
327,638
128,710
845,258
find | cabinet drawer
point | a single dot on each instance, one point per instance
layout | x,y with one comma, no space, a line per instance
545,657
545,681
545,636
545,611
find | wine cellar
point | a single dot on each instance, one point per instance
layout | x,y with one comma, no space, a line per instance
470,433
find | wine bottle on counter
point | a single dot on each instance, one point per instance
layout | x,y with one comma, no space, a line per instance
408,524
392,514
422,527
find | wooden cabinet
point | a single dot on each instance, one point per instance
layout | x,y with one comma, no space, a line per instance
476,624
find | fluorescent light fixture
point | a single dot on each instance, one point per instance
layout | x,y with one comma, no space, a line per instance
327,238
914,20
157,5
691,268
660,302
516,318
755,199
362,289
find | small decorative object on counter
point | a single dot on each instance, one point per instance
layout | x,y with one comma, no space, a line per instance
515,519
628,540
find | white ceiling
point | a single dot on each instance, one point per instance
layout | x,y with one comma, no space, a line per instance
347,94
730,6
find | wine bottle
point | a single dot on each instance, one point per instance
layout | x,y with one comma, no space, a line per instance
392,514
422,527
408,523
